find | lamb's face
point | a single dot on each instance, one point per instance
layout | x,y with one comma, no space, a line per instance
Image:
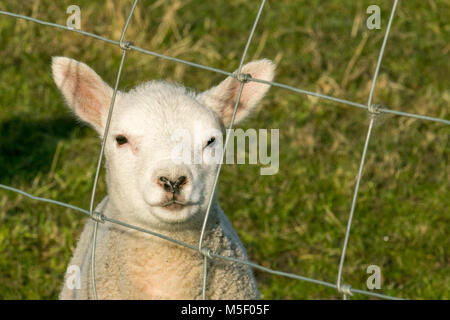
145,176
148,179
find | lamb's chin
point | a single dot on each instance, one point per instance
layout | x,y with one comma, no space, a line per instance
173,215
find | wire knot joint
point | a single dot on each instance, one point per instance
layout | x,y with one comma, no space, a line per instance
345,289
206,252
125,45
375,108
98,216
243,77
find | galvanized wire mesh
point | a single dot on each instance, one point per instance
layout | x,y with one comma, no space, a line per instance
345,289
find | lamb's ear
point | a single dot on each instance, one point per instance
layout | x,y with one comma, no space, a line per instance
85,92
222,98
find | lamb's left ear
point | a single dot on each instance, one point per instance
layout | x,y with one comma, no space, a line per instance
222,98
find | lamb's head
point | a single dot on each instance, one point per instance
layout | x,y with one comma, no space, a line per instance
146,180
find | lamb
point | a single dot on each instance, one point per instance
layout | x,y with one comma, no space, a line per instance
147,188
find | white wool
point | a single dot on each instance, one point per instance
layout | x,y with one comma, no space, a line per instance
134,265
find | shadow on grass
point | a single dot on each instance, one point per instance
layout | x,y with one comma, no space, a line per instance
27,146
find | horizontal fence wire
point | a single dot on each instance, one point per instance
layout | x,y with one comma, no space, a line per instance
98,217
216,70
104,218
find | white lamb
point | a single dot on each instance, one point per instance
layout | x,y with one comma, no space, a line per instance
148,189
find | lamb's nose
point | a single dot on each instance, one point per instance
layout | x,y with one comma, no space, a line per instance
172,186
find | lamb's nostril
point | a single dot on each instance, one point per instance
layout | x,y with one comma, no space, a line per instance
164,180
181,180
166,184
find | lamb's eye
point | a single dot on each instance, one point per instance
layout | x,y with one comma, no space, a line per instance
211,141
121,140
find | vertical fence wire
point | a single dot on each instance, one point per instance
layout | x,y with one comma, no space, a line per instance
352,210
344,289
363,157
124,48
242,80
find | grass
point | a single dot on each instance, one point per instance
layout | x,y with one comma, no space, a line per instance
292,221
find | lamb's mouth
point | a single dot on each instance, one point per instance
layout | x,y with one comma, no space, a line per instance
174,205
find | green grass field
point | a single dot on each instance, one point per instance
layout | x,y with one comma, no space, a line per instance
293,221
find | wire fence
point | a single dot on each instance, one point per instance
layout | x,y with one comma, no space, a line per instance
374,109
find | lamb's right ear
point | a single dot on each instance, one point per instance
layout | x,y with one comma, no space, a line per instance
85,92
